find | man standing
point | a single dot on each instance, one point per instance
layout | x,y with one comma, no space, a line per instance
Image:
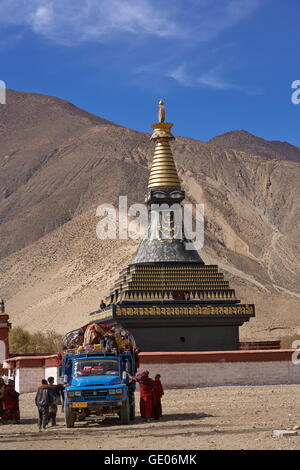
158,393
42,401
55,399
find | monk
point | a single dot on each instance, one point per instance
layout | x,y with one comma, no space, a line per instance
146,395
158,393
2,390
11,404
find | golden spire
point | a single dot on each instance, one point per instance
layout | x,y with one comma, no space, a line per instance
161,112
163,171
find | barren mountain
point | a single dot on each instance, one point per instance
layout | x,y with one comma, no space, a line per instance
58,163
246,142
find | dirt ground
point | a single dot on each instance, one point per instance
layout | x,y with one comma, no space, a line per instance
202,418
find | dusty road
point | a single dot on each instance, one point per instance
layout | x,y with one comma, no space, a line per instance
205,418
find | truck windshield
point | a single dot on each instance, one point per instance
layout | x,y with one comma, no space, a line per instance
96,367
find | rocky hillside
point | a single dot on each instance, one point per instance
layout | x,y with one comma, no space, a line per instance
244,141
58,163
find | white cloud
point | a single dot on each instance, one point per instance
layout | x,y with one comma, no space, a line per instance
216,16
42,16
175,31
72,21
211,79
76,21
180,75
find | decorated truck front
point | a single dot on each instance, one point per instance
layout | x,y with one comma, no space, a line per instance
97,384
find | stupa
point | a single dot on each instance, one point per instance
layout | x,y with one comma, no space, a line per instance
167,296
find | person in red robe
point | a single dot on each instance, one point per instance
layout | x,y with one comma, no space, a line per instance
11,404
2,391
146,394
158,393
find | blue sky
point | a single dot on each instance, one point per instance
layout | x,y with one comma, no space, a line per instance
219,65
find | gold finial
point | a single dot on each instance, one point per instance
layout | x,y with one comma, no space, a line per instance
161,112
163,171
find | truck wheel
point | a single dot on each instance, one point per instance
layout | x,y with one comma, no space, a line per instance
125,412
132,409
69,417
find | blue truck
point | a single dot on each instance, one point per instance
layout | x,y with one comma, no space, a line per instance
97,384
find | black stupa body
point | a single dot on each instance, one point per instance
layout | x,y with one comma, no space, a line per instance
167,296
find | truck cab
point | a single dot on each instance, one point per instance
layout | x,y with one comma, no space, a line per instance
97,384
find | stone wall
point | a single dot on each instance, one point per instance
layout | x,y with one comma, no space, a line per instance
28,379
189,369
254,373
28,371
222,368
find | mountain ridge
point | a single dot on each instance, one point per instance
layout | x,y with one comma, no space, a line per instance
242,139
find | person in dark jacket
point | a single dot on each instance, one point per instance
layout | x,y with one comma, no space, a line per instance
55,399
42,401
